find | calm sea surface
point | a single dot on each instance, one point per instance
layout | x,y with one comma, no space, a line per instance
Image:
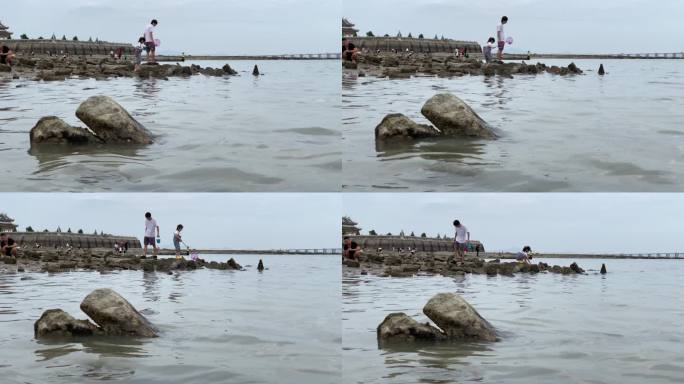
279,326
620,132
277,132
624,327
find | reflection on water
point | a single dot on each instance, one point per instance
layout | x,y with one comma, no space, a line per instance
622,327
276,133
581,133
216,326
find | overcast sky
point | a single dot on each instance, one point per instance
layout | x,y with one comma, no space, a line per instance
191,26
213,220
551,26
580,222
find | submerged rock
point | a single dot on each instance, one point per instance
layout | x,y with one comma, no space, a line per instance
573,69
458,319
398,125
53,130
576,268
454,117
228,70
401,327
115,315
57,323
111,122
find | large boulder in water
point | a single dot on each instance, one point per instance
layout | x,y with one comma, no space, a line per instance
401,327
397,125
454,117
111,122
458,319
57,323
115,315
53,130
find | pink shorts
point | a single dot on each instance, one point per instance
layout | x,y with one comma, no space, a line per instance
501,45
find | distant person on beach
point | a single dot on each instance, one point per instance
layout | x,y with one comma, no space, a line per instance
487,50
177,240
461,239
501,37
349,51
8,245
150,228
149,41
524,255
138,53
6,55
351,249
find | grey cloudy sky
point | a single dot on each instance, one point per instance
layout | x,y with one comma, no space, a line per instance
580,222
578,26
213,220
191,26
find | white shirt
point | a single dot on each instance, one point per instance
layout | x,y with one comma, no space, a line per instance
500,33
150,228
461,234
148,33
177,236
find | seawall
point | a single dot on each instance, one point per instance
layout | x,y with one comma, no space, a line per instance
387,44
54,239
419,244
62,47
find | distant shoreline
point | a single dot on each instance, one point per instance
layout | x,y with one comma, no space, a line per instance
244,57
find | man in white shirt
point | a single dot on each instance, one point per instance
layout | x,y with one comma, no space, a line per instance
461,239
501,37
149,41
150,227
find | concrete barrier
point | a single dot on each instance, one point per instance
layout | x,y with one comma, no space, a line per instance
387,44
420,244
61,239
61,47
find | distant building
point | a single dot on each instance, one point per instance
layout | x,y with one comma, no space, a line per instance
4,32
7,223
349,227
348,29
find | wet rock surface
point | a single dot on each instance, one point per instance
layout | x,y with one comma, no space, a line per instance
397,66
115,315
454,117
55,323
399,327
111,122
406,264
53,130
69,259
455,318
398,125
60,68
458,319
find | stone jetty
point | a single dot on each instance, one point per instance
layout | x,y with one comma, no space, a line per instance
410,263
455,318
113,315
61,68
68,259
402,65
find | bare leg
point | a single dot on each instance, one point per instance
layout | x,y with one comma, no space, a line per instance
154,254
145,250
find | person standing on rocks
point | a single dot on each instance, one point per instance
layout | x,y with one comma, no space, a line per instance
150,45
138,53
501,37
524,255
487,50
6,55
461,239
8,245
177,240
150,227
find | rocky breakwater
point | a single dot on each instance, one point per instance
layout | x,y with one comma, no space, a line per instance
454,317
107,121
397,66
61,68
406,264
67,260
113,316
451,116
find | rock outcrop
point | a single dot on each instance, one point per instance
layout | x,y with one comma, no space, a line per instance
458,319
453,117
397,125
111,122
53,130
55,323
255,71
115,315
401,327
